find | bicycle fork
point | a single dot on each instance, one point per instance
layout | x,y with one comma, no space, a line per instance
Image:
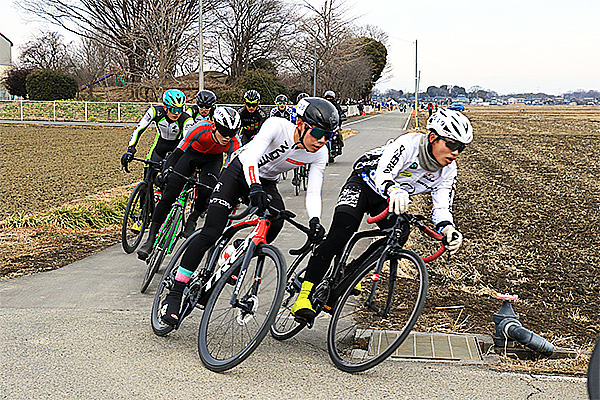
376,280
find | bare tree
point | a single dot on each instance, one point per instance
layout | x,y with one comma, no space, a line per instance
248,30
151,35
46,51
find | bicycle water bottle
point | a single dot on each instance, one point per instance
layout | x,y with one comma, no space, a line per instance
229,252
157,195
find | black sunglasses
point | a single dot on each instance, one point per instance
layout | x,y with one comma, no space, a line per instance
453,144
318,133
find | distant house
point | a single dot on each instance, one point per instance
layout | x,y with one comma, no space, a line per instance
5,64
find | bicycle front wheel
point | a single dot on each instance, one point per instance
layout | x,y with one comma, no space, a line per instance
371,320
136,218
230,333
164,243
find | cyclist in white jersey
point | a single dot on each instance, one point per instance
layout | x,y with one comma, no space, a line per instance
412,164
279,146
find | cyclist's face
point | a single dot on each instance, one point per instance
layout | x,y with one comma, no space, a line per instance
172,115
281,107
441,152
203,111
311,144
220,139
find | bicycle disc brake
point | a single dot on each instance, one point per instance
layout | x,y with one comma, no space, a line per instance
246,313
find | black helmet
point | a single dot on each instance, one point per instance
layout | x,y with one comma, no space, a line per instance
318,113
281,99
206,99
227,121
252,96
329,93
300,97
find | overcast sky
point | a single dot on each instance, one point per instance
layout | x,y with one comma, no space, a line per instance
509,46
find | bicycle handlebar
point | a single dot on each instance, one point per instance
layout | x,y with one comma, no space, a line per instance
422,227
155,164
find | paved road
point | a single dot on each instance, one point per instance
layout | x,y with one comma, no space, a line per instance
83,332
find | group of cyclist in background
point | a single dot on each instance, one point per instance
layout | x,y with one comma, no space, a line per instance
258,148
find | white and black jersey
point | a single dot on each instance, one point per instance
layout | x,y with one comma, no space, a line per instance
273,151
398,162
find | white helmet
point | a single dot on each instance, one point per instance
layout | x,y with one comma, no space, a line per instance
451,124
227,121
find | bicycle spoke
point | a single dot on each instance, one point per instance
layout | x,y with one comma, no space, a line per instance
359,335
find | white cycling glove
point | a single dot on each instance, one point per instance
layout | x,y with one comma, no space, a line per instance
399,200
453,237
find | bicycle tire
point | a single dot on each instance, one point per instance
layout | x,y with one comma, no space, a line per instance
136,210
304,177
285,325
360,335
593,375
296,181
159,327
222,324
162,247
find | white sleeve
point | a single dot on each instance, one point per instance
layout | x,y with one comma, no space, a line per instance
251,153
390,163
313,187
443,196
142,125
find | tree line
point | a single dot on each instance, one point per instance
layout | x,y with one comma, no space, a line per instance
274,44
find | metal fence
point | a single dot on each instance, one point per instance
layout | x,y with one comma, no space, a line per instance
80,111
92,111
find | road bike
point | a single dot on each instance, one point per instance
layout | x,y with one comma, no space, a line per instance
239,284
300,178
140,207
172,228
374,299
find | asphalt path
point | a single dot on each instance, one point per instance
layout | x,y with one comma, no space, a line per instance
83,332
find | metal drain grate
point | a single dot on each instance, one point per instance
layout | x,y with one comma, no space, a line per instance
435,346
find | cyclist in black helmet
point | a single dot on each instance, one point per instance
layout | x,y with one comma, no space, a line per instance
282,110
204,107
252,116
252,174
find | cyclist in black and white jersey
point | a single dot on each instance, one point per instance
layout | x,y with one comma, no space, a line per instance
282,110
279,146
204,107
412,164
171,125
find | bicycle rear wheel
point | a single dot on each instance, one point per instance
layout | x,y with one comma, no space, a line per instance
367,326
164,287
136,218
230,333
285,326
162,247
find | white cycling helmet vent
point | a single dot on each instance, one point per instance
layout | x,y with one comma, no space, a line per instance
451,124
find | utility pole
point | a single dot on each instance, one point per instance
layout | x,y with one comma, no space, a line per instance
200,46
315,70
416,87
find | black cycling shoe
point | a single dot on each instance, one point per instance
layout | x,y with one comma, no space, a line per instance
305,315
144,251
171,304
190,227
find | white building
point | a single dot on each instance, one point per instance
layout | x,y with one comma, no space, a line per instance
5,64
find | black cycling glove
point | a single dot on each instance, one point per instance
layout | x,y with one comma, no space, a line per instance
258,197
317,231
